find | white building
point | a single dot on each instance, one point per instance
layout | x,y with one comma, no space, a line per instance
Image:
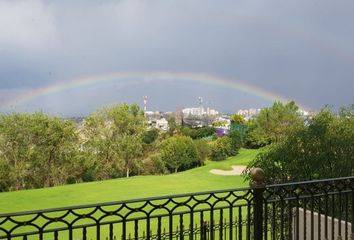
193,111
249,113
212,112
162,124
148,113
303,113
199,111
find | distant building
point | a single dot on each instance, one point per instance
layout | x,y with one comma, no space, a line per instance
253,112
249,113
162,124
197,116
149,113
193,112
212,112
199,111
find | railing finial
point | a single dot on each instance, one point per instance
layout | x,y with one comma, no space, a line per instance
258,178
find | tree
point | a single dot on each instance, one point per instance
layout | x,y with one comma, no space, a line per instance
172,125
253,137
236,142
179,153
323,148
114,136
150,136
221,148
273,123
36,150
347,112
154,165
237,119
226,146
197,133
203,150
219,124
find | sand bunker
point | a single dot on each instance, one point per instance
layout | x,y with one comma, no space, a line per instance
236,170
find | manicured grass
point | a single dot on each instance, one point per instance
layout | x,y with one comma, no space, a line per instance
194,180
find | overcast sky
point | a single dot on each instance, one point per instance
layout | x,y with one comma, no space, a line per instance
303,50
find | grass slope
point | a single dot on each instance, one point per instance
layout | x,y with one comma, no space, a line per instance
194,180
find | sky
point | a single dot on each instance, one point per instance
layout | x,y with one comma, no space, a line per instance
298,50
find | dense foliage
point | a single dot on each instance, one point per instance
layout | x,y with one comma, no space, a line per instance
179,153
198,133
225,146
272,124
150,136
113,140
321,148
203,150
220,149
36,151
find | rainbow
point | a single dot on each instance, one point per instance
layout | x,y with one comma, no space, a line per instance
203,78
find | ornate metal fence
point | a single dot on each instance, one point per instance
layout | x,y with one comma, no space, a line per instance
281,211
321,209
206,215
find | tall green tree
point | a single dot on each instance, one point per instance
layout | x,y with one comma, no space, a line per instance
36,150
113,135
273,123
203,150
236,142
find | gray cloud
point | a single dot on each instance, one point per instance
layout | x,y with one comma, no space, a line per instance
302,50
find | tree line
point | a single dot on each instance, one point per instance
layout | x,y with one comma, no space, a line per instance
38,150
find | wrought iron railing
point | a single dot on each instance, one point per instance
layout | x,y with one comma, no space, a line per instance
305,210
171,217
320,209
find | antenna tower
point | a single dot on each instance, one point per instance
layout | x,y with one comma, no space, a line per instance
200,101
145,103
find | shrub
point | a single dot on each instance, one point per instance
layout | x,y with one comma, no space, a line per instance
203,150
179,153
198,133
150,136
221,148
236,142
154,165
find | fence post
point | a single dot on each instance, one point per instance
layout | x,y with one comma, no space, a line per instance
258,186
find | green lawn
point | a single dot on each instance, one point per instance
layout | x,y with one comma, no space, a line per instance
194,180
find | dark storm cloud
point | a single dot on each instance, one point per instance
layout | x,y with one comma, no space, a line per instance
301,49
